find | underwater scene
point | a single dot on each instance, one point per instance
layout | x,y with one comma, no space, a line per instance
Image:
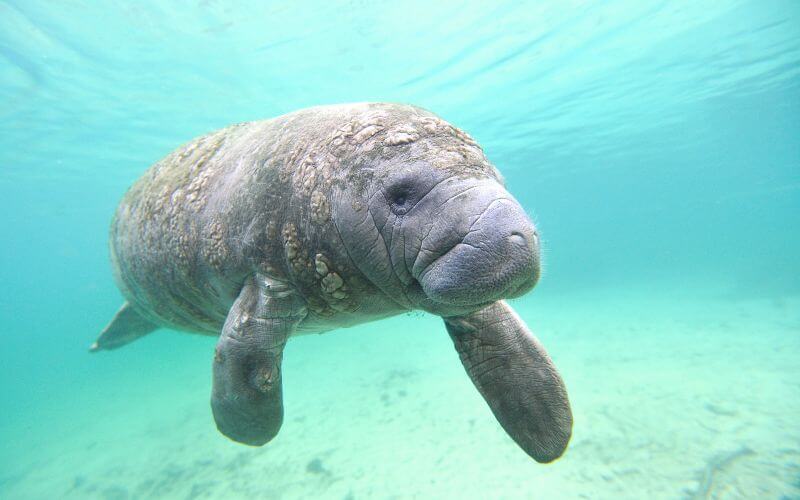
655,145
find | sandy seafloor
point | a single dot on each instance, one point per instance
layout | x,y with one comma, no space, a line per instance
680,395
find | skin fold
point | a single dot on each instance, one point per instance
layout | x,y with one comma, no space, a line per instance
326,218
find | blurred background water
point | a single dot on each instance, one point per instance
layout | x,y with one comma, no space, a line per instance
657,145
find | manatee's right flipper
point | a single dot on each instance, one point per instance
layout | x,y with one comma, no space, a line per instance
516,377
127,326
247,398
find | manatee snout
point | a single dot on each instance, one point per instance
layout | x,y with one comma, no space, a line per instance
497,257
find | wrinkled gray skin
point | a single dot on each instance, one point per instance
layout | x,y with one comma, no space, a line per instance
325,218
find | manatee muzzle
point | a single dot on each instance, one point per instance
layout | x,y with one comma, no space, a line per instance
497,258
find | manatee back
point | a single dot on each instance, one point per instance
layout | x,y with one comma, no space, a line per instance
171,237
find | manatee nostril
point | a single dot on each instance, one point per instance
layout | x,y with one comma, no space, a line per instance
518,238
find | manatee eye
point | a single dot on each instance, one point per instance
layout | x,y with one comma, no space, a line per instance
399,198
406,185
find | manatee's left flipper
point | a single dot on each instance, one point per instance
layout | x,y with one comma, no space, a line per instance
516,378
247,398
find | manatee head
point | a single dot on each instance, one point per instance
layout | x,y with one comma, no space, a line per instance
427,219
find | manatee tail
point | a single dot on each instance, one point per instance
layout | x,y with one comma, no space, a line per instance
127,326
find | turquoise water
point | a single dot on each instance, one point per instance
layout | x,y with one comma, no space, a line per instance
656,144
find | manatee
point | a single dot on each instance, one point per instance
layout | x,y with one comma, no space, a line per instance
325,218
